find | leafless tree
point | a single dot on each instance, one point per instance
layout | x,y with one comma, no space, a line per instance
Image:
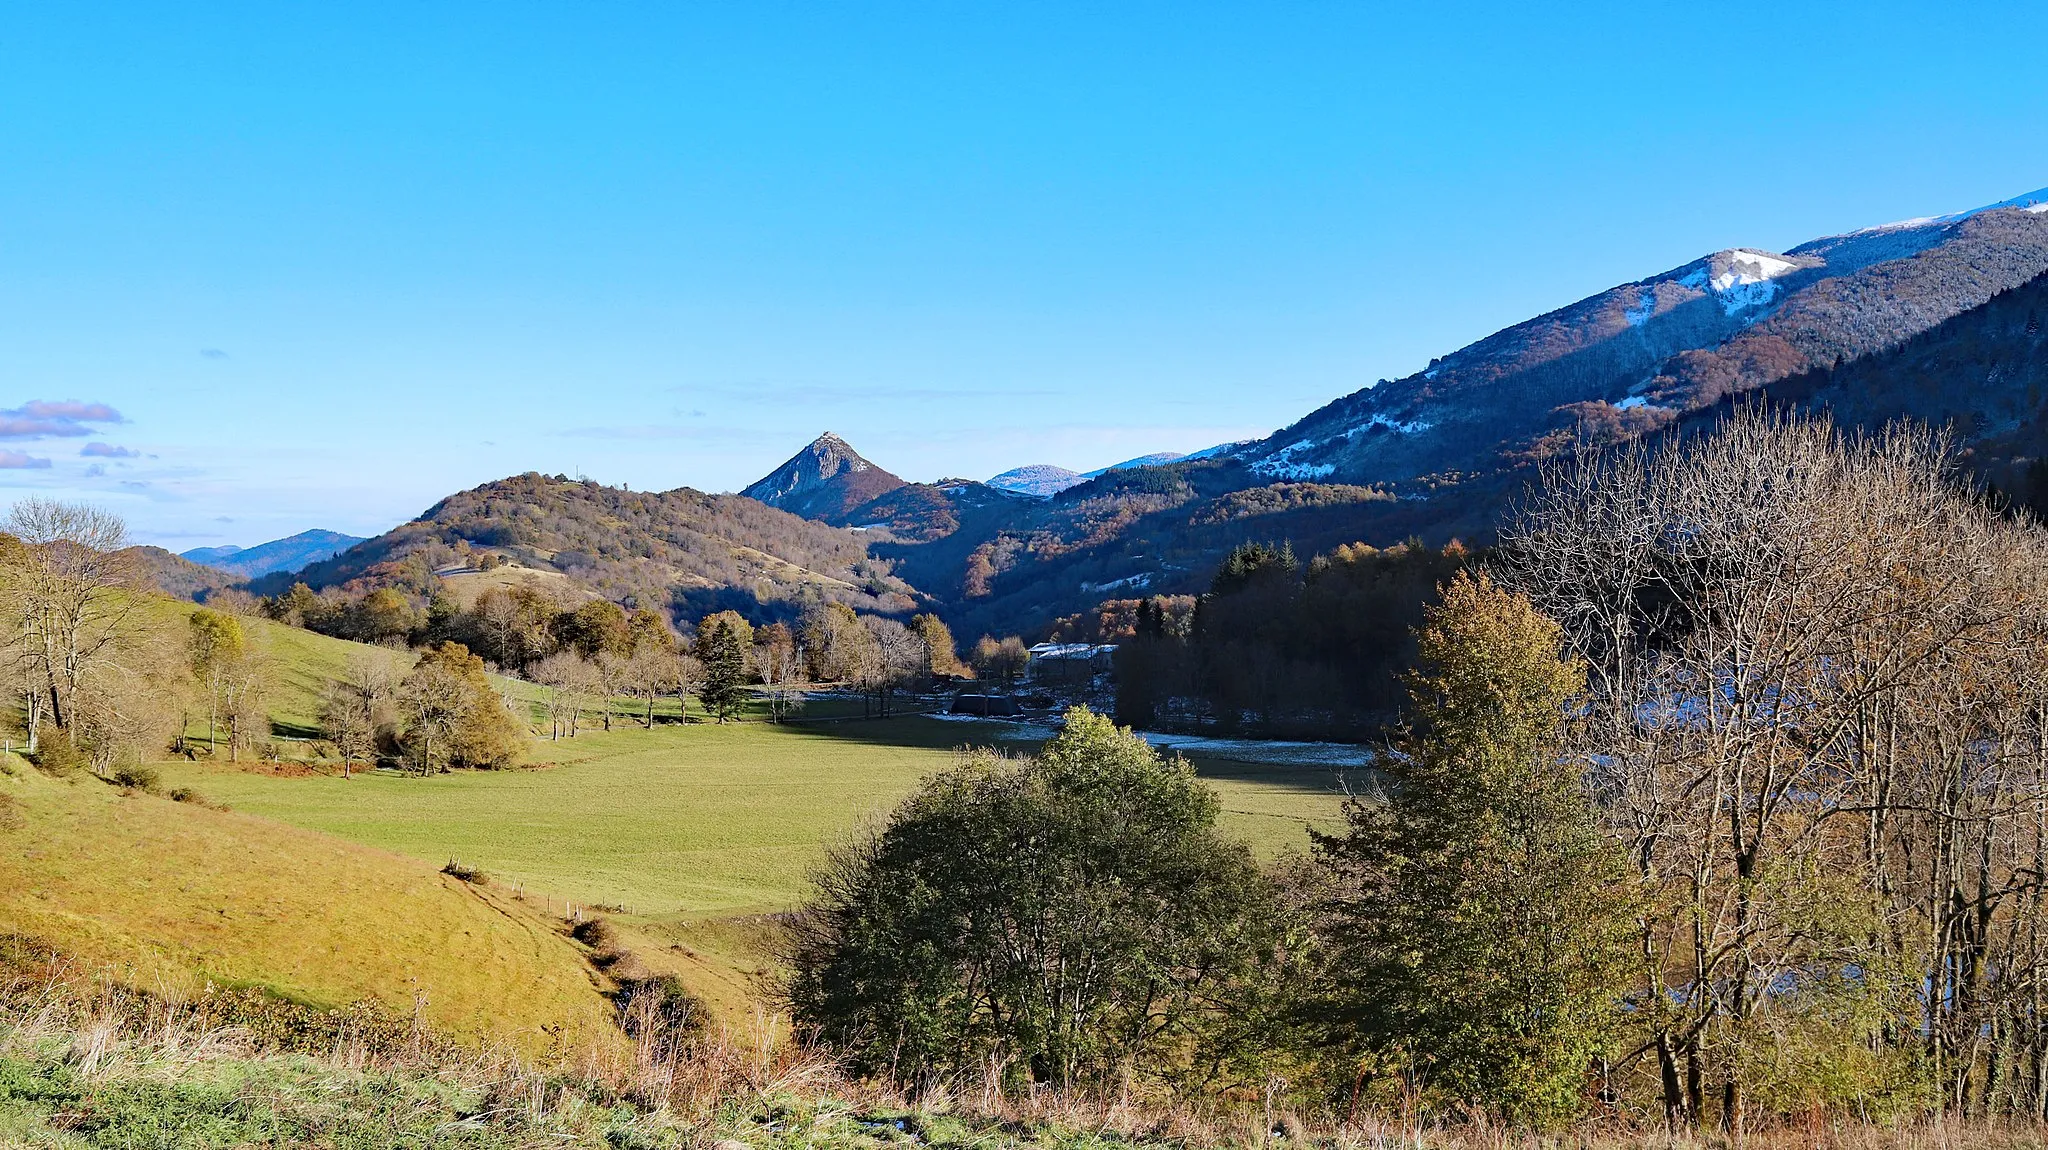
73,583
1815,721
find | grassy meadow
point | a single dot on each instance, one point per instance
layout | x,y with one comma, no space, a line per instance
172,895
696,820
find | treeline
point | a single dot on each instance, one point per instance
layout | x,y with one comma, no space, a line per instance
1283,648
1720,800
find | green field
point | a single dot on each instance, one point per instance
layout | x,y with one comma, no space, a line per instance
697,820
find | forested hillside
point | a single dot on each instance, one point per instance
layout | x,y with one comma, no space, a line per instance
681,549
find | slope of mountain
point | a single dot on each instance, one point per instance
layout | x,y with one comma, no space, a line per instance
1038,480
287,554
179,577
826,481
682,549
1156,459
1639,356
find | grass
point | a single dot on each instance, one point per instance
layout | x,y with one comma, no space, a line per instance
698,820
173,895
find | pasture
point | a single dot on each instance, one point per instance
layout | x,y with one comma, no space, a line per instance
698,820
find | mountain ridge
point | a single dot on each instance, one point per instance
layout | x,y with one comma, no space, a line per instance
287,554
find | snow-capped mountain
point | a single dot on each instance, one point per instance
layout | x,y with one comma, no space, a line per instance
1639,356
1038,480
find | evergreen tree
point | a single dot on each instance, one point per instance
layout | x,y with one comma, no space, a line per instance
1476,933
725,670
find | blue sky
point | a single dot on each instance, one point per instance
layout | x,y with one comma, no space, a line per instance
296,265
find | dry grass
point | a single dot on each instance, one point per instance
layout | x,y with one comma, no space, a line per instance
173,895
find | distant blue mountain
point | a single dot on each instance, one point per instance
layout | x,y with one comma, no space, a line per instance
287,554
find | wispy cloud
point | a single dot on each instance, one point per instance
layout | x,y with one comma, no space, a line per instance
213,353
109,451
40,418
12,460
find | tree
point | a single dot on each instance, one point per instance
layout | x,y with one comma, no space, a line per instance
72,581
724,690
1004,661
217,648
1070,919
893,658
835,642
1477,940
570,681
384,615
650,673
780,666
595,628
742,631
454,715
938,656
355,708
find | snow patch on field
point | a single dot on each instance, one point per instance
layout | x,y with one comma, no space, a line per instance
1631,403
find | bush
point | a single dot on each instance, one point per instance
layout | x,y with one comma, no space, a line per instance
660,1011
57,755
137,777
466,873
1072,918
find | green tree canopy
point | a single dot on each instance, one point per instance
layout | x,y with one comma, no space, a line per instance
1070,918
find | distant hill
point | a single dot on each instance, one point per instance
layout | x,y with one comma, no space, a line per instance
181,578
1038,480
287,554
826,481
1156,459
681,549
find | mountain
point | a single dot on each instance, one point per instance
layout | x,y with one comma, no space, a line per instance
179,577
1043,480
1038,480
287,554
825,481
681,549
1641,356
1156,459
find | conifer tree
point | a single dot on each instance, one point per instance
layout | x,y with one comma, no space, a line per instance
1477,933
725,669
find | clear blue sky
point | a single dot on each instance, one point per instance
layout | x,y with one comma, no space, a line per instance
331,262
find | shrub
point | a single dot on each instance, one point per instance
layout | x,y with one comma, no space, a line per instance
137,777
660,1011
56,754
466,873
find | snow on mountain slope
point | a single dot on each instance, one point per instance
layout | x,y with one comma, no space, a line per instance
1153,460
1038,480
1726,323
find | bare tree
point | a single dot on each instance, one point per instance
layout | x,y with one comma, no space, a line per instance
570,681
1816,723
356,707
73,582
